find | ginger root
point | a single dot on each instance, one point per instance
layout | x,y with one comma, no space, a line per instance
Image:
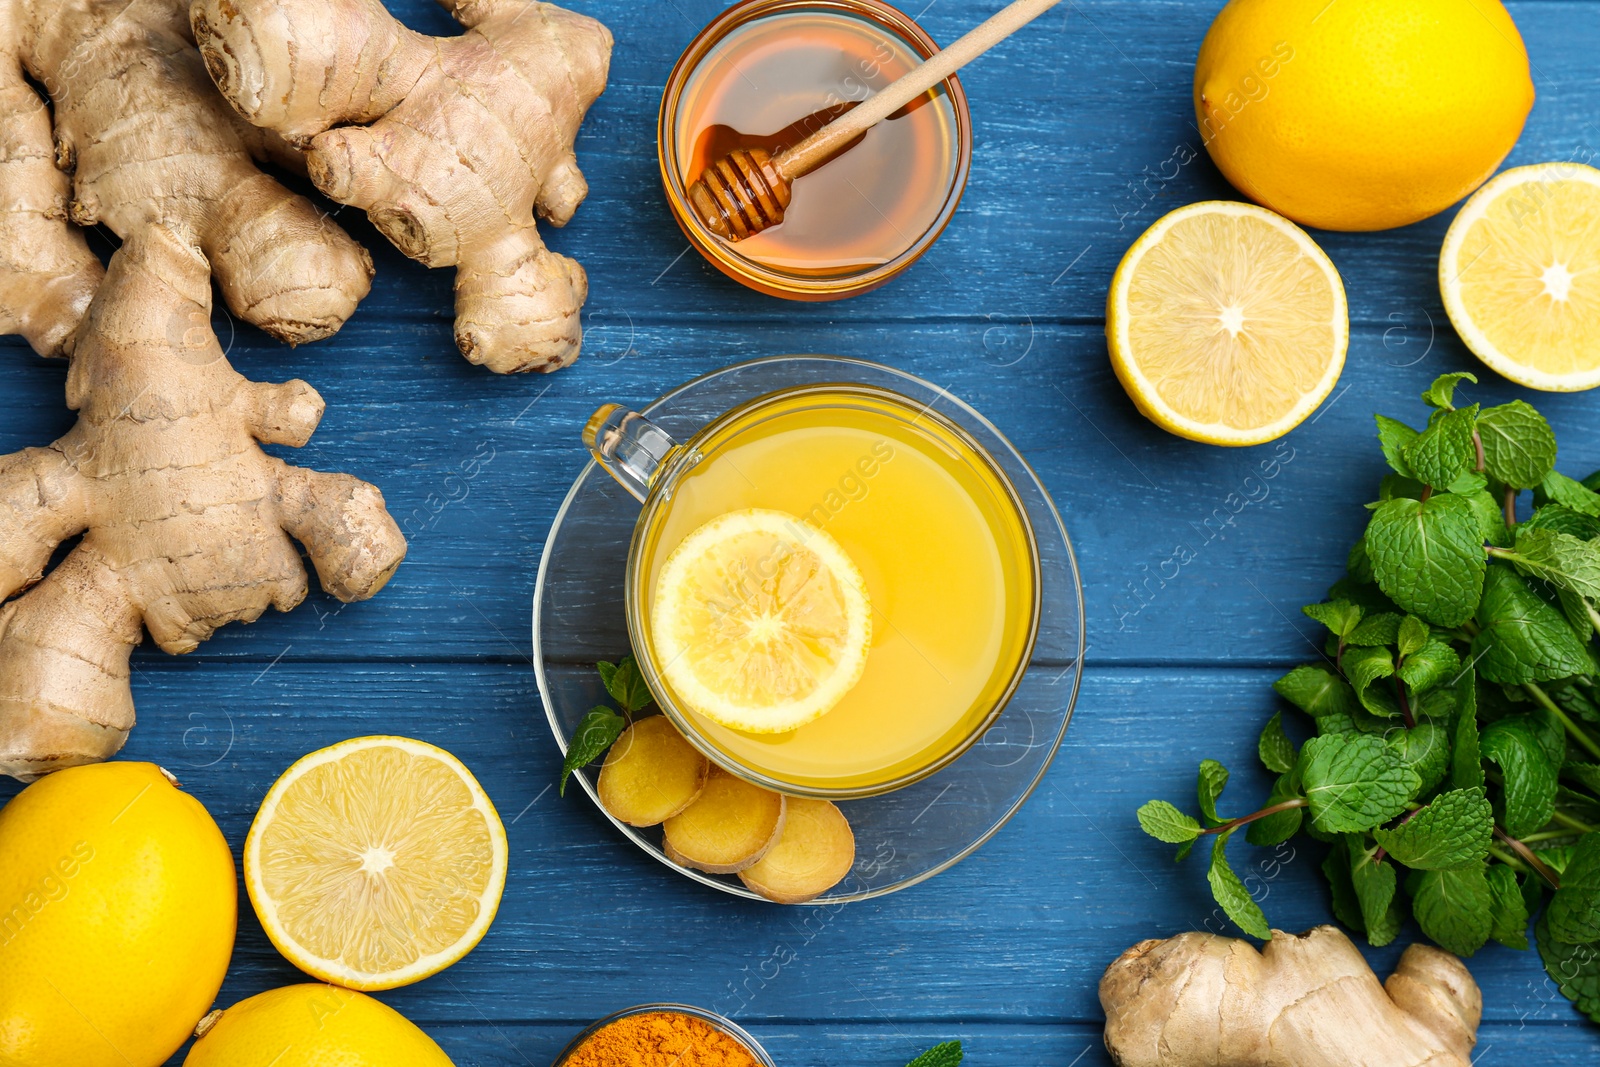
651,773
1200,1000
186,522
147,141
814,852
449,144
730,825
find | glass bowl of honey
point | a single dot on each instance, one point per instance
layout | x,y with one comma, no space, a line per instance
768,73
909,823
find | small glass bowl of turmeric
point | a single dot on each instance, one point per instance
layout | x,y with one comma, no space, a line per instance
664,1035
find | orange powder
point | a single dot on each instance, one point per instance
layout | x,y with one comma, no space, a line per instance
661,1039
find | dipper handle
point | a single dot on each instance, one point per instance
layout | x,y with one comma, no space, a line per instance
747,192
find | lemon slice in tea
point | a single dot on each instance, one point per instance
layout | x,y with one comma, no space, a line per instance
376,862
1520,275
1227,324
761,621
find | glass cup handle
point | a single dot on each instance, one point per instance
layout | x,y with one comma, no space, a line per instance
629,446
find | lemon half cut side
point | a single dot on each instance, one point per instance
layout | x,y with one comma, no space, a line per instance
1227,324
376,862
761,621
1520,276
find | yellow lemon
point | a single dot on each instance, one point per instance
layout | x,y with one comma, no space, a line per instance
761,621
118,908
1520,274
312,1026
1227,324
376,862
1361,114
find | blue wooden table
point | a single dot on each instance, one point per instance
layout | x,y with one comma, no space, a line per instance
1083,126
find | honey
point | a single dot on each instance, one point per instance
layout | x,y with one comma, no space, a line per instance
767,75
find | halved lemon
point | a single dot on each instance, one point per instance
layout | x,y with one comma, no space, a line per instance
1227,324
376,862
761,621
1520,275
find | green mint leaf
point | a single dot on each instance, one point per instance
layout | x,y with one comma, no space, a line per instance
1339,616
1442,393
1585,774
1453,830
1397,487
1453,907
1444,451
1346,907
1358,570
1574,914
946,1055
1427,556
1274,747
1425,748
1278,827
1380,629
1393,437
1560,559
1568,493
1317,691
1563,519
1231,894
1523,638
1549,732
1466,759
1519,448
1374,885
1508,907
1165,822
1468,482
1528,791
1366,666
1412,635
1432,664
1575,969
597,732
625,683
1491,518
1355,782
1212,779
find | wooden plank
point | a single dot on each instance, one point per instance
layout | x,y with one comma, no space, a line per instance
1189,553
1018,932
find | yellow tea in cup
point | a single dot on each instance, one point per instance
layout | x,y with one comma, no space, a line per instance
943,547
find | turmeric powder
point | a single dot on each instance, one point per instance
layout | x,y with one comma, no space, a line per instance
661,1039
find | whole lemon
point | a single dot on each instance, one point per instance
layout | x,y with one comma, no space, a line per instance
1361,114
118,904
312,1025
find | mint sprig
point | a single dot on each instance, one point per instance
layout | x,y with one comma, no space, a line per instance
601,726
1453,757
948,1054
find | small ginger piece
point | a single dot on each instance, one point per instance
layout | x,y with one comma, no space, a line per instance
1201,1000
450,145
812,855
141,138
651,773
730,826
186,522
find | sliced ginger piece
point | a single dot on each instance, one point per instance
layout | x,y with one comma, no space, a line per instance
651,773
730,826
813,854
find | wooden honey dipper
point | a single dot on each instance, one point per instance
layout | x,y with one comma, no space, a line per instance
742,194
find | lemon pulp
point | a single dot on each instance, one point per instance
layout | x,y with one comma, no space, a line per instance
762,621
1227,324
1520,275
376,862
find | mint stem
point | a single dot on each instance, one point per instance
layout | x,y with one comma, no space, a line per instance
1594,616
1529,858
1567,820
1477,443
1538,694
1405,704
1511,507
1233,824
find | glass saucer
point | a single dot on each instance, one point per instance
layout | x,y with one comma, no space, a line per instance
903,837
